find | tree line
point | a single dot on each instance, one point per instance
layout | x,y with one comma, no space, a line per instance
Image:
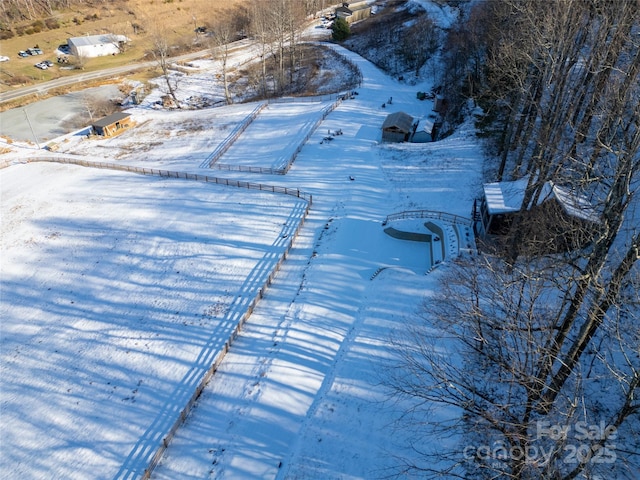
542,347
18,10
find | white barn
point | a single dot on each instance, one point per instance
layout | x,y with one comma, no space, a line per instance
96,45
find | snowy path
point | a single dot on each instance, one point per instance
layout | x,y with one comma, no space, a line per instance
262,415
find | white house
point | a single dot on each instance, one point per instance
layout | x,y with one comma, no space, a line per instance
96,45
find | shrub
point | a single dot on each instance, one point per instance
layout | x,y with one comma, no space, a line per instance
18,80
38,26
6,34
137,28
340,30
52,23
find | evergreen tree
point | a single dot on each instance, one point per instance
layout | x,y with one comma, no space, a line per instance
341,30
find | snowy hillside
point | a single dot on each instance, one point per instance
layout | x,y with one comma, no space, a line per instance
118,288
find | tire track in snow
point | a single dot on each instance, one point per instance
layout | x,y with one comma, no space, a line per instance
258,380
324,389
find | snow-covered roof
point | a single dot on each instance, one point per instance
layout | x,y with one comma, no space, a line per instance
425,125
398,120
507,197
574,205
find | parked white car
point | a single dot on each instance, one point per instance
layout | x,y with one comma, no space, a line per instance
3,58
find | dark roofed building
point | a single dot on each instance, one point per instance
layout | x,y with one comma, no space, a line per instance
353,12
397,127
111,124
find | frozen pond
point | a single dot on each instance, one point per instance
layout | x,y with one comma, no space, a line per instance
45,120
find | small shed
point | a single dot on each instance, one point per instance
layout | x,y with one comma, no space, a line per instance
353,12
397,127
91,46
440,104
424,131
112,124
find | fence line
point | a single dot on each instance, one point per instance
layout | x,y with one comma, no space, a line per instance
448,217
184,412
295,192
232,137
248,169
325,112
311,98
282,171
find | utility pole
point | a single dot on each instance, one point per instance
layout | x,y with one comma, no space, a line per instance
31,127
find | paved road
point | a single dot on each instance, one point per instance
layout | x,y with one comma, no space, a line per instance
110,72
42,88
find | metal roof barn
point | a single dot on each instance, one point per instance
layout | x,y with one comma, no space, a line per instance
96,45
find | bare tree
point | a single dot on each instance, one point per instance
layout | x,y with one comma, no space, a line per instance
277,14
223,32
260,31
469,371
80,60
117,41
419,42
294,20
161,51
276,25
98,107
565,76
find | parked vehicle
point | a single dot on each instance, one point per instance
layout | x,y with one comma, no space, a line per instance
41,66
22,53
34,51
3,58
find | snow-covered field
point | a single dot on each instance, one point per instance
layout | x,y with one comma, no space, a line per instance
117,287
118,290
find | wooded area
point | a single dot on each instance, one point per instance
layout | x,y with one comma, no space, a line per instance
17,10
542,339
